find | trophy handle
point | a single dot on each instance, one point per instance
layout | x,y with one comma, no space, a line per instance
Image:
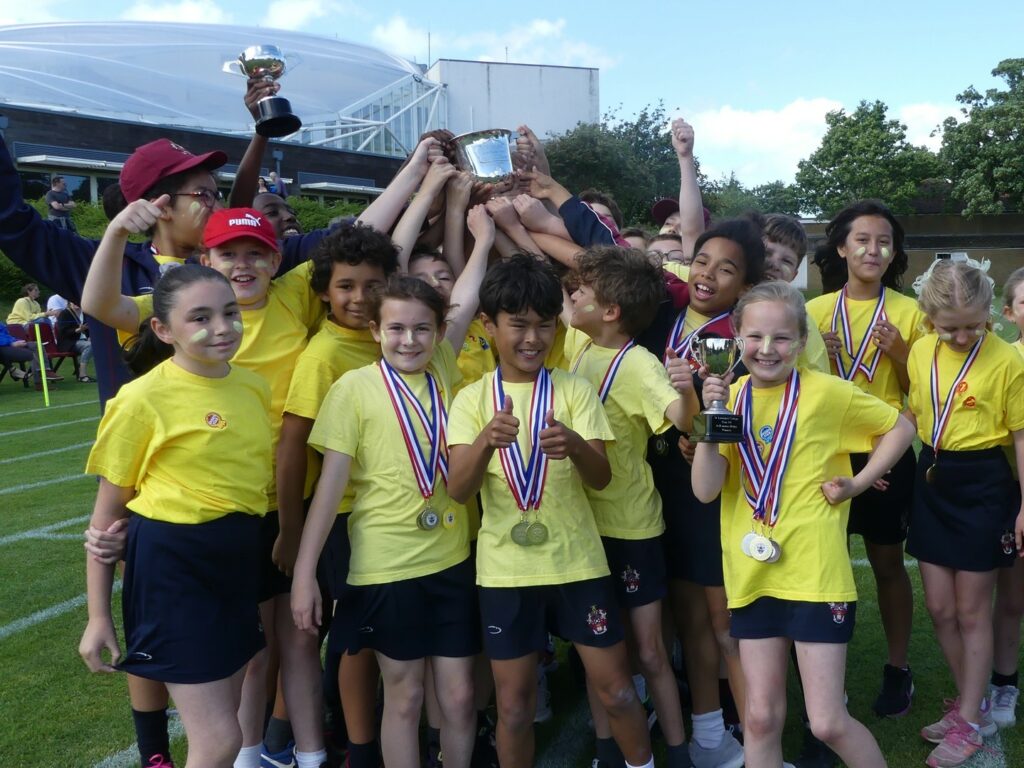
739,354
233,67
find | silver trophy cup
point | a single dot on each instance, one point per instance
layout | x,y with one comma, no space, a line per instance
266,61
486,155
717,424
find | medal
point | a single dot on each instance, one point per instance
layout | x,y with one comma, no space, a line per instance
449,519
613,367
536,533
940,416
840,316
435,426
762,486
526,479
427,520
681,344
745,543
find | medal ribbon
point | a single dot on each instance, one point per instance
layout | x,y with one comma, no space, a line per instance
613,367
941,420
763,488
435,427
526,479
840,316
681,345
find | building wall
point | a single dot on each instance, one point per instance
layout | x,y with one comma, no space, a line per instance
551,100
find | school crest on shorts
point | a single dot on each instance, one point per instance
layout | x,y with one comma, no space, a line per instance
215,420
1007,541
631,578
839,611
597,620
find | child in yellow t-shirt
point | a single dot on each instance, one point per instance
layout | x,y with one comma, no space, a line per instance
967,399
540,564
411,594
617,295
171,448
869,327
784,489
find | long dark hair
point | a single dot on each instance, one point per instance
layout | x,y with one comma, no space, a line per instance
833,266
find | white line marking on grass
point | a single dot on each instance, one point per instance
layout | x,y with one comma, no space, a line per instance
48,426
40,454
36,533
863,562
19,625
44,483
130,755
51,408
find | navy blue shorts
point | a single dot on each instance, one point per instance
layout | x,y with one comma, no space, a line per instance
638,569
516,620
190,601
800,621
273,582
881,517
433,615
964,519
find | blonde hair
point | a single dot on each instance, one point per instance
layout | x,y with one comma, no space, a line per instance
950,284
774,291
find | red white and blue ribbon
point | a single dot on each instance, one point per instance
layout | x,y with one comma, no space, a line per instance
435,427
940,414
680,343
613,367
763,488
526,479
841,317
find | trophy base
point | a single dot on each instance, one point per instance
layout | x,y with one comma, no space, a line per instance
276,118
714,427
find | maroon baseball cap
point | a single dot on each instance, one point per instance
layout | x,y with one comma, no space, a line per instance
235,223
160,159
666,206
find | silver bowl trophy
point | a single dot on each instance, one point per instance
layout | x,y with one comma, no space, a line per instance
486,155
266,61
717,424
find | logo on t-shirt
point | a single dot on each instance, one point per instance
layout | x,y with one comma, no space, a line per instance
215,420
961,387
766,433
970,402
839,611
597,620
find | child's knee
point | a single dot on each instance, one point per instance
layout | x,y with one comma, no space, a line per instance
652,657
516,710
618,694
763,718
828,727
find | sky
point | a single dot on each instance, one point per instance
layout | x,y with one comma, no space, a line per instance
755,83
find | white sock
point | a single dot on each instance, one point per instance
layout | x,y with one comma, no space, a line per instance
311,759
648,764
248,757
708,729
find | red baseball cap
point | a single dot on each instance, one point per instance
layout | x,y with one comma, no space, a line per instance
666,206
235,223
160,159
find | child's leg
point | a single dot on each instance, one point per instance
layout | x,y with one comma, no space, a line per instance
645,621
823,669
939,597
149,715
300,678
515,686
700,649
252,710
209,713
895,598
609,673
431,710
453,683
974,617
1009,611
764,664
357,680
728,646
403,702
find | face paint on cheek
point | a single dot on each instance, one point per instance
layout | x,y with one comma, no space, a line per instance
237,325
886,253
766,345
945,337
199,335
979,332
589,308
261,263
860,251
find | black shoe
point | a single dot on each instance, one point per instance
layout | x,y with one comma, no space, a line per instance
897,692
815,753
485,751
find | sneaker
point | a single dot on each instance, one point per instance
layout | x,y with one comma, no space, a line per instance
17,374
544,712
1004,705
897,692
960,742
283,759
937,731
53,375
728,754
815,753
160,761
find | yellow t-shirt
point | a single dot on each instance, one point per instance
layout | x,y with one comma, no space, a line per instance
333,351
194,448
988,403
901,311
1019,346
679,270
24,311
477,356
834,419
814,355
556,357
629,507
358,419
573,550
274,336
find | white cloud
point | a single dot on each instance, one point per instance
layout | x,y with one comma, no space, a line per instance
539,41
185,11
297,14
923,119
38,12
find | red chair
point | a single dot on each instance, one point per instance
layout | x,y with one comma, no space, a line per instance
53,355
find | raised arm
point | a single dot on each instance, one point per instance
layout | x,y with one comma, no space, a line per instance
505,216
457,193
243,190
691,207
465,296
408,228
382,213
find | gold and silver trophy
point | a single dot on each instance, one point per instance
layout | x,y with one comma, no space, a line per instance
717,424
276,117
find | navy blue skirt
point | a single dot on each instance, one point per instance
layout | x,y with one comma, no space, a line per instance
963,519
190,601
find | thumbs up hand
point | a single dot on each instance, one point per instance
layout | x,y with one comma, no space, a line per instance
557,440
679,372
503,428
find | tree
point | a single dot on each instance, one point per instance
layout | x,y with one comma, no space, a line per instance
864,154
631,159
778,197
985,151
728,197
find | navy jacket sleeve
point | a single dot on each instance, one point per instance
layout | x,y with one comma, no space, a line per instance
586,226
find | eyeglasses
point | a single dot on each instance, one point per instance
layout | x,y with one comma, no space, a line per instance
209,197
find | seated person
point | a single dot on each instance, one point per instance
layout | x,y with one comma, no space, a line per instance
73,336
14,351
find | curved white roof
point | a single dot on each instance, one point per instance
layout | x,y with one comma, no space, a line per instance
170,74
